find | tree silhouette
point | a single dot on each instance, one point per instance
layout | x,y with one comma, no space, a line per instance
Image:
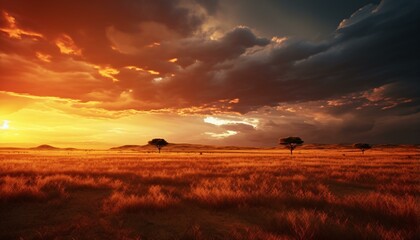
158,143
363,146
291,143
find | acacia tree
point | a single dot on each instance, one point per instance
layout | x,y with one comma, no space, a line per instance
363,146
158,143
291,143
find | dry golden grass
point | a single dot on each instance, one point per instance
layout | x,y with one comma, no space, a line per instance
315,194
153,199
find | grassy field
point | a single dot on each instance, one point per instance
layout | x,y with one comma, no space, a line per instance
314,194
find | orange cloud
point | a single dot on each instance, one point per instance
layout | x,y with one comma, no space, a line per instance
236,100
108,72
153,72
14,31
43,57
67,46
155,44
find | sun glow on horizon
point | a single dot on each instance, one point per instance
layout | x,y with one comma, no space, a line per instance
5,125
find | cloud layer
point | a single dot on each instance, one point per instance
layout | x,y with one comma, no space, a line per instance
171,56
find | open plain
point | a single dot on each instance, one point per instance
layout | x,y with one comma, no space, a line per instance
232,194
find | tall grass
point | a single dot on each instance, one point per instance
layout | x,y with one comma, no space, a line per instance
255,195
45,187
153,199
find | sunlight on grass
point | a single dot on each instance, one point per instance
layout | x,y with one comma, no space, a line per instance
253,195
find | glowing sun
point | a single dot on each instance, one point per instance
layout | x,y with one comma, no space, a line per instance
5,124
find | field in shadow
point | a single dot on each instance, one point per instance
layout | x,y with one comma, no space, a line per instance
247,194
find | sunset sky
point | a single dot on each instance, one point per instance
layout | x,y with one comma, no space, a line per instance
102,73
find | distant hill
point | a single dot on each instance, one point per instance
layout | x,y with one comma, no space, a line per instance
49,147
127,147
187,146
378,146
349,146
177,147
45,147
317,146
327,146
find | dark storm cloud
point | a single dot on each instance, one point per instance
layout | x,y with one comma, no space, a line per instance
372,48
79,17
211,6
366,52
230,46
306,19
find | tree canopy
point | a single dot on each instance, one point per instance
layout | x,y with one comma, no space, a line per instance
158,143
291,143
362,146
